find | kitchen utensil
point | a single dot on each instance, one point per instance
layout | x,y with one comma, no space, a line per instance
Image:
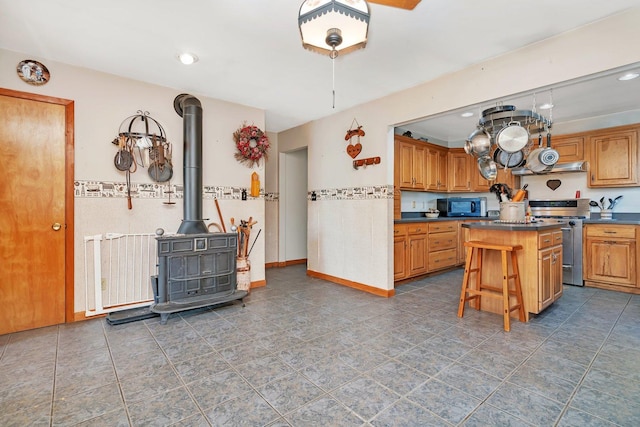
512,211
542,159
602,203
520,194
254,242
614,202
123,159
160,172
487,168
478,143
512,138
508,160
594,204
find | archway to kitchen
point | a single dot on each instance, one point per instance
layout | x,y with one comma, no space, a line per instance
293,207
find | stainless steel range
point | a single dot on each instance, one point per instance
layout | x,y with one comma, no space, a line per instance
569,213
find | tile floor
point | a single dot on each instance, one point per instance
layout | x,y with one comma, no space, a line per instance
304,352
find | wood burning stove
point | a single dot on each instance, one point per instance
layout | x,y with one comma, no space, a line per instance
195,268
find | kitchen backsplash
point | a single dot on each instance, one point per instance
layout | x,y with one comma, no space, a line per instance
417,201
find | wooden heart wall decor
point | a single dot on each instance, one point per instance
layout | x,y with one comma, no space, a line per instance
354,150
554,184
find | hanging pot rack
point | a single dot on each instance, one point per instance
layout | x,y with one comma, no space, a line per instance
531,120
138,137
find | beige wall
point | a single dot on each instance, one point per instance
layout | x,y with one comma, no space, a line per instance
102,102
340,231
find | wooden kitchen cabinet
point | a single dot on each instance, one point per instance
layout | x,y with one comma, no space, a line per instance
613,157
610,256
399,252
460,170
436,173
550,275
411,163
417,249
570,147
442,244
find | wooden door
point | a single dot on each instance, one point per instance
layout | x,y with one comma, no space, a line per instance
35,132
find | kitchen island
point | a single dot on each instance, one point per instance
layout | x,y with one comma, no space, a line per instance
539,261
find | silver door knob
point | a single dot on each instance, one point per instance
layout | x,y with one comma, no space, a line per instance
56,226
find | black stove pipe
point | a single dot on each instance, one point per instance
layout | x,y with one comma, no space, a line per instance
189,108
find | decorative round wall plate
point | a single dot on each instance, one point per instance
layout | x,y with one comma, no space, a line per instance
33,72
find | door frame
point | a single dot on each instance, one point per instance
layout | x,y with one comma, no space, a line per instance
69,281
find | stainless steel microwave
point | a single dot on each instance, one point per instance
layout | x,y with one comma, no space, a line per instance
462,206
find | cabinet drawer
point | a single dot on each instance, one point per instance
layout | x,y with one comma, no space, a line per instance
557,238
442,259
618,231
399,230
442,241
442,227
545,240
417,228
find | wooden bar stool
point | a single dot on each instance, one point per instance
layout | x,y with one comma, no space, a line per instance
480,289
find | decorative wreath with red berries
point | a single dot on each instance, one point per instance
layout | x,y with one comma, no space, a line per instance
252,145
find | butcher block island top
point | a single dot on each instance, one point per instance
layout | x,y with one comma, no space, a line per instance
539,261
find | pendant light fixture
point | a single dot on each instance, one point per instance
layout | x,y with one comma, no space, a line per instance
332,27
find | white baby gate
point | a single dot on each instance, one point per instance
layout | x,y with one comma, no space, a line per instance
118,270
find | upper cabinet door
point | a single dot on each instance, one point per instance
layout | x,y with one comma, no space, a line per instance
613,159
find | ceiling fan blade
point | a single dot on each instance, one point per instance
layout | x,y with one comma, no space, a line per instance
402,4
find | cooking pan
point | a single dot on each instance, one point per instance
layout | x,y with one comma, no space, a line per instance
508,160
487,168
542,159
123,159
512,137
478,143
161,172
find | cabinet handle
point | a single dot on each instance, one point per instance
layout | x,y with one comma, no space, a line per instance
610,232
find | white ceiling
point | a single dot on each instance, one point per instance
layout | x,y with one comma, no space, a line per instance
250,50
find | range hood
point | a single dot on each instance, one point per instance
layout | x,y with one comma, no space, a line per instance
558,168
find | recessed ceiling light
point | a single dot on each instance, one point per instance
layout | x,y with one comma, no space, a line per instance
187,58
628,76
546,106
467,114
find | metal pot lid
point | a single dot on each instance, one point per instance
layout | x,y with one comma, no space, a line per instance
512,138
487,168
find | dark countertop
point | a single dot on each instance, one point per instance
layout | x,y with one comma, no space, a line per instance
622,218
546,224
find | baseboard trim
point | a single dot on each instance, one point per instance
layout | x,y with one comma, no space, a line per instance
355,285
258,284
285,263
